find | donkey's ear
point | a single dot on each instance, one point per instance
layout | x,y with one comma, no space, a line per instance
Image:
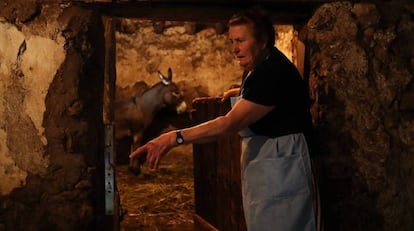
166,81
169,73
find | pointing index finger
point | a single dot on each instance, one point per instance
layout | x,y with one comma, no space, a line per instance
138,151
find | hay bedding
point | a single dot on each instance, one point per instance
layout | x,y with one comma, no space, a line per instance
161,199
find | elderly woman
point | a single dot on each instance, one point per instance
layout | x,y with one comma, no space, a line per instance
271,115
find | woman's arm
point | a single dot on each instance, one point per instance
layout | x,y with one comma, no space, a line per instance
239,117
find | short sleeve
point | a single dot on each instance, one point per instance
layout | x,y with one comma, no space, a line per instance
262,87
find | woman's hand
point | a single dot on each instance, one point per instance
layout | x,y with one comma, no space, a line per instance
155,149
230,93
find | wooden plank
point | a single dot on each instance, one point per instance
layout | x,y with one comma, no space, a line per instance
202,225
205,165
217,183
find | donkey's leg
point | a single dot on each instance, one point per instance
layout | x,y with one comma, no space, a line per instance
136,162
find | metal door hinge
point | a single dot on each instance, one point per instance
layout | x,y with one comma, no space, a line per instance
110,186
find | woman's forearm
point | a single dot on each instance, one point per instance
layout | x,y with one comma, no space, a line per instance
208,131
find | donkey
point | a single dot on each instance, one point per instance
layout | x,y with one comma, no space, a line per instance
134,114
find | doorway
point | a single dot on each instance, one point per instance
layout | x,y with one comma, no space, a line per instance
164,199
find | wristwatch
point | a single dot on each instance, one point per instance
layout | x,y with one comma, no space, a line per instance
179,139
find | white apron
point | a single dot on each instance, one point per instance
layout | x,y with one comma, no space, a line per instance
276,182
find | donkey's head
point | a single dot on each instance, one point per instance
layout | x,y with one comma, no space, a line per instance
170,93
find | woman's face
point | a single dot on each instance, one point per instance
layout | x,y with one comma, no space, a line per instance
246,49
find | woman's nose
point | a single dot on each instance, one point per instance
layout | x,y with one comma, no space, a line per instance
235,48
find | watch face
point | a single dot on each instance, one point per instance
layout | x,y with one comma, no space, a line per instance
180,140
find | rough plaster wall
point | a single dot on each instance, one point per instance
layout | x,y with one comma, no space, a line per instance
10,40
37,76
25,80
51,70
361,63
201,59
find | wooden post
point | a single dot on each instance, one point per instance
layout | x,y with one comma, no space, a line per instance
112,201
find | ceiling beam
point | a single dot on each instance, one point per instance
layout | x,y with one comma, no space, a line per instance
282,11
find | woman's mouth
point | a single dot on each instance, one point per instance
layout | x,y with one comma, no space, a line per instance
240,58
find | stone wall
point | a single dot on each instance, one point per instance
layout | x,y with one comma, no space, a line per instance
199,55
51,63
361,78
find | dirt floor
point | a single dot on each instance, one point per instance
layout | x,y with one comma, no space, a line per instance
159,200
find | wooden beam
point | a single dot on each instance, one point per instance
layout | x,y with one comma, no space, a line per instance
207,1
110,69
283,11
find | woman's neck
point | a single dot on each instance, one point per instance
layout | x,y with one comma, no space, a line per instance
260,59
